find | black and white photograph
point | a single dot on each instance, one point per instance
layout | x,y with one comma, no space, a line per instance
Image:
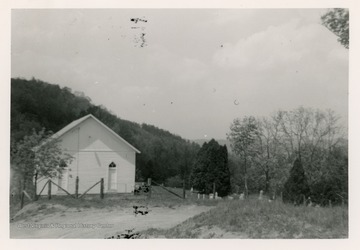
179,123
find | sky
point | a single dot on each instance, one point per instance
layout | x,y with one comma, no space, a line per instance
188,71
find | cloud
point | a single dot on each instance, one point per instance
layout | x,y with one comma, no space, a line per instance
137,91
274,47
196,64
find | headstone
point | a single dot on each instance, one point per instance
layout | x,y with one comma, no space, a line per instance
261,195
242,196
203,196
216,195
211,196
309,202
192,190
198,196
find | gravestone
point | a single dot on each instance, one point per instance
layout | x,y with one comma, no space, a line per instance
261,195
242,196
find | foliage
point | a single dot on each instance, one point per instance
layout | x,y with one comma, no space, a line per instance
242,136
211,166
36,104
337,21
315,136
333,183
175,181
37,155
296,188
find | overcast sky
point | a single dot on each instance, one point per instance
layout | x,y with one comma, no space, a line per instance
187,71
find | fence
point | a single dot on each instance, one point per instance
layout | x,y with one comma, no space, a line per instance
50,183
168,190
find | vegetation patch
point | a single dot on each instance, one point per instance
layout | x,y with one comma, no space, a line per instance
261,220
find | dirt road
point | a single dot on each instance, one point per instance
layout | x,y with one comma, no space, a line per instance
99,223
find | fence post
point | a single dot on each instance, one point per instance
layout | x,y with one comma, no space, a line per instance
49,190
149,185
102,188
304,200
22,194
214,190
184,192
77,187
35,188
22,199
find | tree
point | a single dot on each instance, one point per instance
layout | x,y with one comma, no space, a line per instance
37,155
242,136
337,21
186,161
296,187
211,167
310,135
332,184
267,148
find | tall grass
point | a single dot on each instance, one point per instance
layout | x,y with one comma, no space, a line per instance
261,219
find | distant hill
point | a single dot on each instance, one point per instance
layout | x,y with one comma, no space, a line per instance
36,104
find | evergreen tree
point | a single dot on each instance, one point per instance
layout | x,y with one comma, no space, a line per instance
211,167
296,187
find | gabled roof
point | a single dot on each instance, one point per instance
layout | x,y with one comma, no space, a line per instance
77,122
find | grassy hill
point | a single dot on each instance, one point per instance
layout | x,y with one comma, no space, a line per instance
254,219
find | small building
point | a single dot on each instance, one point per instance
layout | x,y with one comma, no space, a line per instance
98,152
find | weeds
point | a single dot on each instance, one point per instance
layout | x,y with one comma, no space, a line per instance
260,219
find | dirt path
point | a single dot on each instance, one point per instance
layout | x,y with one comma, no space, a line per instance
99,223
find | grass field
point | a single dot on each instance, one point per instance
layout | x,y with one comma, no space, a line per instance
260,219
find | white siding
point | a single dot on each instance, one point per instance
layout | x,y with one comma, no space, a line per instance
98,148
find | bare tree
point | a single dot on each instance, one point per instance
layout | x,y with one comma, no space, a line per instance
242,136
309,135
268,147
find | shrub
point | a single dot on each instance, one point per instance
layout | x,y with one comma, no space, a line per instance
296,187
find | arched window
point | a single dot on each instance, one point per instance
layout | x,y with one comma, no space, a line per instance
112,177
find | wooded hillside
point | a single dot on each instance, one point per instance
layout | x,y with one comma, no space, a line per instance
36,104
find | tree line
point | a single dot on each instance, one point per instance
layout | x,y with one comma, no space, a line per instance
265,150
